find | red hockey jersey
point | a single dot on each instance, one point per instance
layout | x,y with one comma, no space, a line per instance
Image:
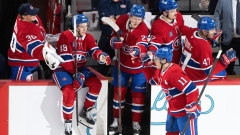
28,39
166,34
178,88
132,37
86,45
197,57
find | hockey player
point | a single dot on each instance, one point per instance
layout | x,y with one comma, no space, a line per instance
197,57
180,92
28,45
64,75
132,45
166,30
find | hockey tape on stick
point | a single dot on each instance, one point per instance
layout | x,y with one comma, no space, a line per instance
114,26
110,23
204,86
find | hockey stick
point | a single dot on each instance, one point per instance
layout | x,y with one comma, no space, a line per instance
204,86
116,28
75,60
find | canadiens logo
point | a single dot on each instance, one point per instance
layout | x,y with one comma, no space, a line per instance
64,79
176,43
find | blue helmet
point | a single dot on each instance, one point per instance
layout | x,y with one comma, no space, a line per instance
206,23
164,53
167,5
138,11
80,18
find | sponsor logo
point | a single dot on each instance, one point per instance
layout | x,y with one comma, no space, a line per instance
160,104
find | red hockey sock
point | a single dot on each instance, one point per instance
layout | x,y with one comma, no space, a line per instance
116,103
68,101
137,106
95,86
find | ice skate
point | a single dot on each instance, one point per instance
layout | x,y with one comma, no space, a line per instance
68,127
87,117
136,128
113,129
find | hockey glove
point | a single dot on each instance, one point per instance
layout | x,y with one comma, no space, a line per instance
116,43
229,56
149,56
104,59
79,80
215,40
52,59
192,110
134,51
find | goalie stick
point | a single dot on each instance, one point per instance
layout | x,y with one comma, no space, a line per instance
117,30
204,86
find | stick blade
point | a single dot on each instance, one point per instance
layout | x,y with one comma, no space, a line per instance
110,23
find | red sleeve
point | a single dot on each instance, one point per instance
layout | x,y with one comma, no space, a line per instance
92,47
155,80
157,36
180,21
30,40
142,37
206,60
180,81
185,30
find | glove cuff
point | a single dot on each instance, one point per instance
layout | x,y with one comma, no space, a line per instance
225,59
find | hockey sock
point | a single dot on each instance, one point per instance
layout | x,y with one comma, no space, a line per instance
95,86
137,106
68,101
116,102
